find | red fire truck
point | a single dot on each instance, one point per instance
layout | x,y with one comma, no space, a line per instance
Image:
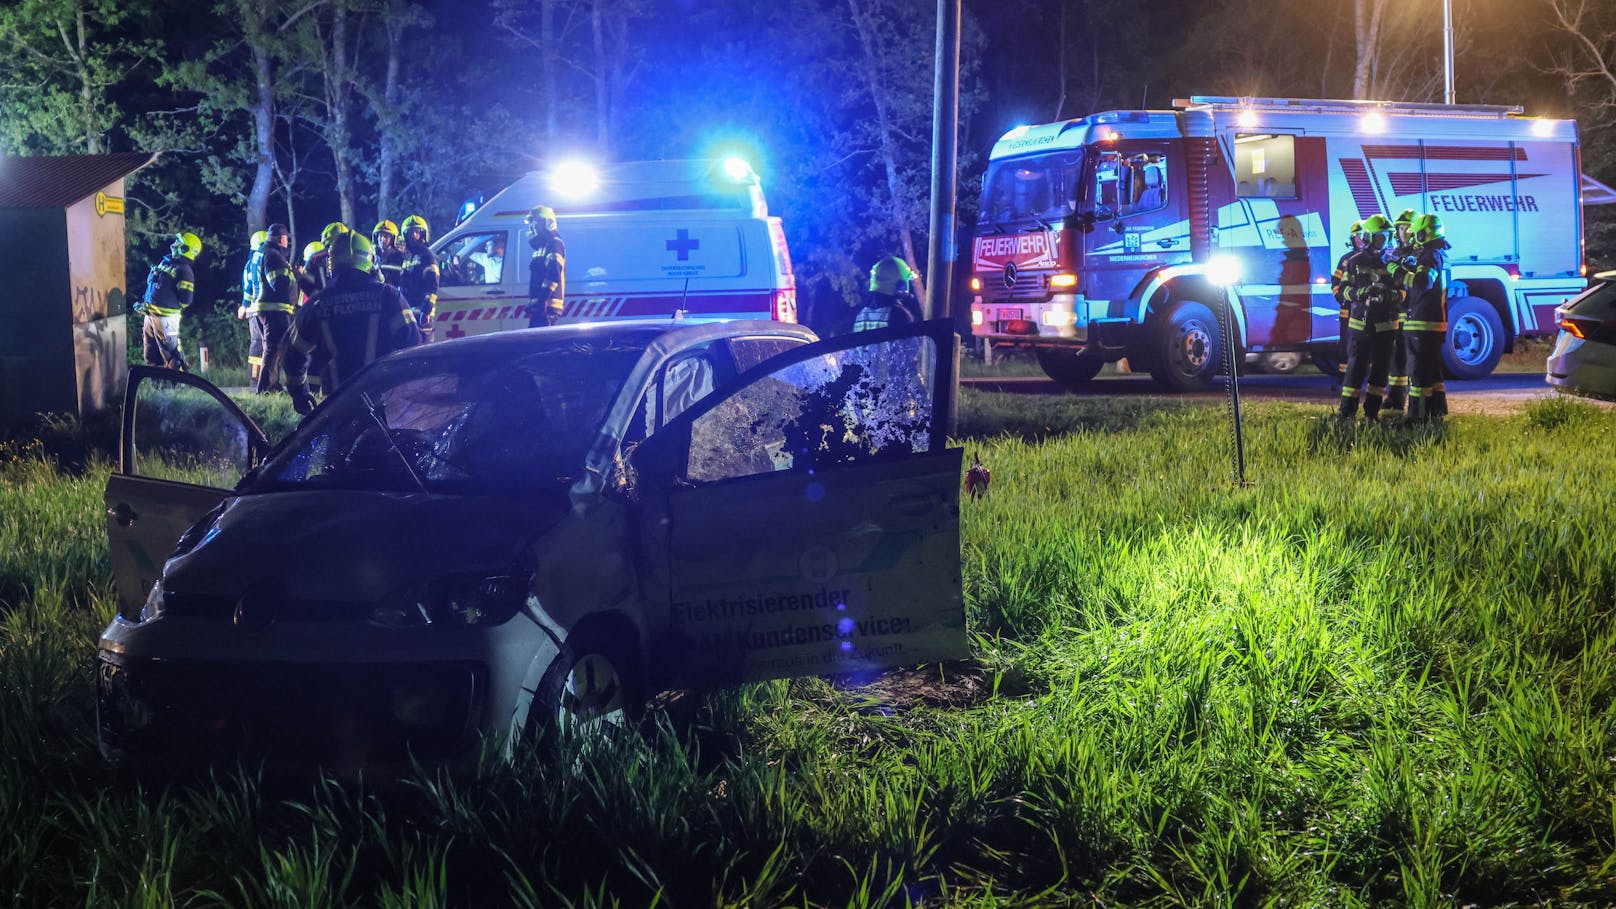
1123,234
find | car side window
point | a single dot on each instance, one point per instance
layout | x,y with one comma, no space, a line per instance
871,402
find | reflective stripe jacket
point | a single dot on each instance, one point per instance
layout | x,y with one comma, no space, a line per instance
279,284
1425,277
1374,294
170,286
1338,282
353,321
419,281
251,285
547,274
885,310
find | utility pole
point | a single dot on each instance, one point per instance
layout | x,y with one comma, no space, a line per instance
941,252
1447,51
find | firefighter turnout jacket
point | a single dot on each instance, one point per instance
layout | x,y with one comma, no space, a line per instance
277,282
547,278
419,281
886,310
390,265
170,286
354,321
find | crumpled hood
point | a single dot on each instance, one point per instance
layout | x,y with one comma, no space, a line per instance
348,546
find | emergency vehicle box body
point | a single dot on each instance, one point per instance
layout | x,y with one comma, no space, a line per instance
1092,230
653,240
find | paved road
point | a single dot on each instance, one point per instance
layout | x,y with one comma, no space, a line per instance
1504,388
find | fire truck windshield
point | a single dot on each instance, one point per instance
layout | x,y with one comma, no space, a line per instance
1040,189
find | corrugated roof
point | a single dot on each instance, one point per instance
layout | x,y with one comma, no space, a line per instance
48,182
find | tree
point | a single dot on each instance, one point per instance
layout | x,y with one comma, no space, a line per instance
63,59
1587,63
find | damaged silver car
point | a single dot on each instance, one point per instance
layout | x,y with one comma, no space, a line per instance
483,538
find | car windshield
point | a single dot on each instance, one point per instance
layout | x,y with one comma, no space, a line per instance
1042,188
500,426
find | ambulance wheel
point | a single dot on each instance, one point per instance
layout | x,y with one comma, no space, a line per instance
1475,339
588,691
1070,366
1187,347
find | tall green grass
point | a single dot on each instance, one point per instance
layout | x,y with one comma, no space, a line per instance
1379,675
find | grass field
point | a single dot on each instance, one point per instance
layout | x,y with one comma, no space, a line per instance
1379,675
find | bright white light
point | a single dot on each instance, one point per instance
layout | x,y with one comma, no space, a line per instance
1542,128
1223,271
1015,133
737,169
1247,119
1374,122
574,178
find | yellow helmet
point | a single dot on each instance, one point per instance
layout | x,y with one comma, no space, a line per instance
542,215
332,231
386,227
416,222
311,250
891,275
1427,227
186,244
350,250
258,239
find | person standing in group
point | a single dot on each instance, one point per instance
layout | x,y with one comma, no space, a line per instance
1397,384
1339,285
1424,275
353,321
170,287
547,272
248,309
1372,326
276,304
308,271
419,278
389,257
889,301
316,267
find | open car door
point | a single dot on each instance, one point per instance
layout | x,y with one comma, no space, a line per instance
806,522
184,447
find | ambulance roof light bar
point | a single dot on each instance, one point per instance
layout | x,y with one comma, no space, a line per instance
1319,106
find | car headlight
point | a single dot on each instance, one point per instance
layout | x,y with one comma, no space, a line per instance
153,607
454,600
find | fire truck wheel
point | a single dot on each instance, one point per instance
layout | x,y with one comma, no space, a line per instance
588,691
1187,347
1475,339
1070,366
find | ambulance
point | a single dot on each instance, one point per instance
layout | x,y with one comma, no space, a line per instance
1125,234
688,239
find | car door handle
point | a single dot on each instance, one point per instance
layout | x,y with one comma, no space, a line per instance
912,506
123,514
496,293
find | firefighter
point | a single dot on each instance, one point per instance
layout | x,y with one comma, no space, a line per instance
305,275
389,257
419,278
1424,277
547,271
317,268
354,320
1372,326
1339,286
170,287
248,309
1397,383
276,304
889,301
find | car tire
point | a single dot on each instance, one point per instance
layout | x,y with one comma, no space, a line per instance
1280,363
1070,366
589,690
1475,341
1186,348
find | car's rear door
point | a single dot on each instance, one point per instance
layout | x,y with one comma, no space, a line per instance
184,446
806,521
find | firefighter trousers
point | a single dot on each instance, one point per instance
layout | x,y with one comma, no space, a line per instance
1427,396
160,341
1369,357
276,327
255,347
1397,381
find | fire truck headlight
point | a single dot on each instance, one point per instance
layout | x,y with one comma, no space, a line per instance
976,282
1063,280
574,178
976,317
1223,271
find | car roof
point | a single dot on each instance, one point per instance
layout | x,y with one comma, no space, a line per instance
675,333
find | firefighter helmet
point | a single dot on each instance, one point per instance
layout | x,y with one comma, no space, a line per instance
541,216
1427,228
416,222
332,231
1376,231
1355,235
1405,218
891,276
314,248
186,244
259,237
351,250
384,227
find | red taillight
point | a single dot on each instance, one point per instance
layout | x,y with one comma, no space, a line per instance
1572,326
783,305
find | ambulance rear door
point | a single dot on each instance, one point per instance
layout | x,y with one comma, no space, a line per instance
655,266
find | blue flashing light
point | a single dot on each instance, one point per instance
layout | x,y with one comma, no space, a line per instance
575,179
738,169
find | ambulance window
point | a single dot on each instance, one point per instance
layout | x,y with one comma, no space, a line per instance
1265,166
473,259
1129,183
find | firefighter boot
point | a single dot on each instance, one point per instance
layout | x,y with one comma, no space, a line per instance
1436,406
1416,410
1371,406
1349,406
1396,397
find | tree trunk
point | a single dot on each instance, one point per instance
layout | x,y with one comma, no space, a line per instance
388,163
337,89
603,104
1367,15
547,71
81,58
263,114
888,146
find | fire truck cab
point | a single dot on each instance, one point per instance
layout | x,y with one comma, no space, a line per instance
645,240
1124,233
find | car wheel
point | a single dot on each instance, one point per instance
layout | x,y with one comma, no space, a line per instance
589,690
1280,362
1475,339
1069,366
1187,347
